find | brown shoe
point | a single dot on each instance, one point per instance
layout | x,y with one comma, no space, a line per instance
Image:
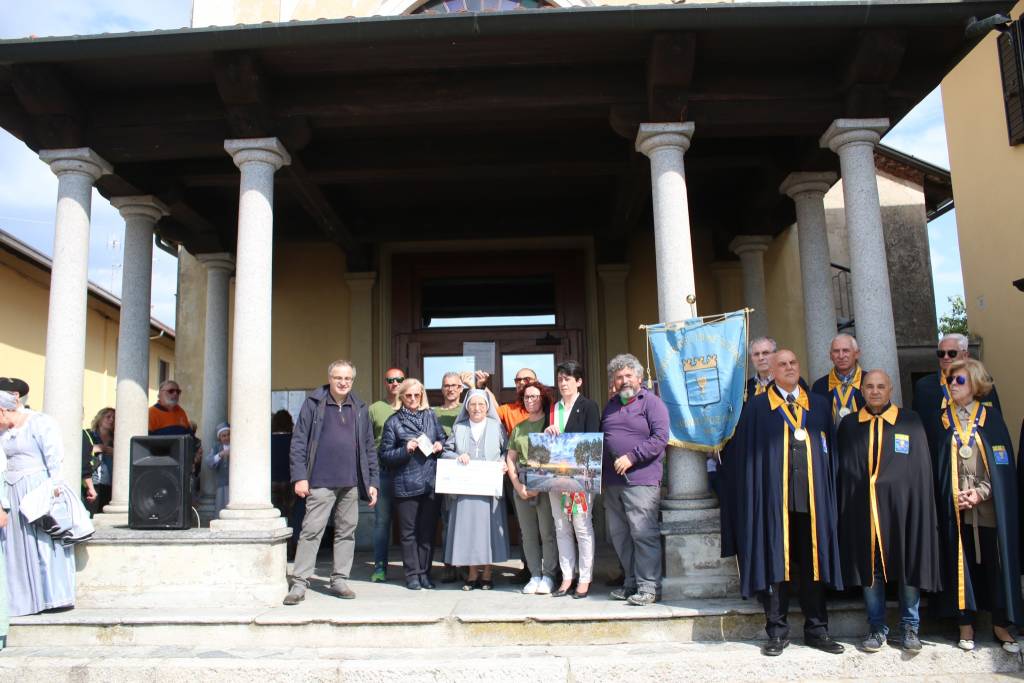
341,590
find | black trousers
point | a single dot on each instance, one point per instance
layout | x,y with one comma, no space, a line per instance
986,578
417,524
811,593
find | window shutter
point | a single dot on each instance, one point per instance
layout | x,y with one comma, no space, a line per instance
1011,67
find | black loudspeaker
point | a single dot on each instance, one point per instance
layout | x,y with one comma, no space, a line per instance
160,492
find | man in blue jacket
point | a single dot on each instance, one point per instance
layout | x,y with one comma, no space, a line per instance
333,466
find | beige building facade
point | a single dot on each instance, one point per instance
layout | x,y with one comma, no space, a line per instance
988,174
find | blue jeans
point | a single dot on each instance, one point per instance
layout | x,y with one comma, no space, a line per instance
382,519
874,599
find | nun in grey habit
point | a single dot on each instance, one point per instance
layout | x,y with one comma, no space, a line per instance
477,525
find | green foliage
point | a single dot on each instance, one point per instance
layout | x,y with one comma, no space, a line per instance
955,321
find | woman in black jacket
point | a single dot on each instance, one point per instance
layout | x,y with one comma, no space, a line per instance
574,518
409,445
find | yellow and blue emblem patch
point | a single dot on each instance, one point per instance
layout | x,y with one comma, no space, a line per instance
901,443
1000,455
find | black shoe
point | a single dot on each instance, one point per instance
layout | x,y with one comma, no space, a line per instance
413,585
579,596
774,647
825,644
559,593
426,583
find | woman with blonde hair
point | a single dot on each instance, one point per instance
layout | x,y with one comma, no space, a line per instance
409,445
98,461
977,501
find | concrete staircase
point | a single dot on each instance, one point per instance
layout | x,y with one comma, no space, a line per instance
389,633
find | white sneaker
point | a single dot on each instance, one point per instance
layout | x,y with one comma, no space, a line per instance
531,587
546,586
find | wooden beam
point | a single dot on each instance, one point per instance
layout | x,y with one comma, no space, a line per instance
670,65
55,114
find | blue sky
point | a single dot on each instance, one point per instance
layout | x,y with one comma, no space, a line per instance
29,190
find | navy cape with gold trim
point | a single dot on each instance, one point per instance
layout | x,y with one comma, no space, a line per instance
928,405
821,387
902,490
959,593
756,511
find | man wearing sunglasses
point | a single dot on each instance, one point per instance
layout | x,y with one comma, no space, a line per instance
931,393
166,416
380,411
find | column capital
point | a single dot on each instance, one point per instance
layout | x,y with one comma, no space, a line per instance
846,131
140,205
217,261
807,183
361,280
78,160
267,150
749,243
653,136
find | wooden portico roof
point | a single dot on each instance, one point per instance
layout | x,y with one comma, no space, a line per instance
477,125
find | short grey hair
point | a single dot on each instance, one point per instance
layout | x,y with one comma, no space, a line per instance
961,341
623,361
341,361
451,373
761,340
843,335
9,400
166,383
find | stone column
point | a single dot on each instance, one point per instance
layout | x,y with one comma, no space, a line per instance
215,369
751,249
140,215
360,341
613,309
854,141
807,191
76,171
689,511
249,504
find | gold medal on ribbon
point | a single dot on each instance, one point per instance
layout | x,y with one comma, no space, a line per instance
966,452
800,434
964,433
844,411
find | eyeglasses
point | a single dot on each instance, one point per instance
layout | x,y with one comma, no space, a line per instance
956,379
532,398
943,353
394,380
450,386
523,379
416,395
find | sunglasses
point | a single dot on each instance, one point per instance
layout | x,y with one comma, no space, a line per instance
952,353
394,380
956,379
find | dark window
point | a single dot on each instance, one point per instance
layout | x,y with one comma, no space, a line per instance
1011,66
164,370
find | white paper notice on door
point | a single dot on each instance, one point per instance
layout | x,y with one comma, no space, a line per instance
482,352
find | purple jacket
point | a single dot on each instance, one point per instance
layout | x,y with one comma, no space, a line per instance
639,430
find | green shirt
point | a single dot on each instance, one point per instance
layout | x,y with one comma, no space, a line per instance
446,416
379,414
519,440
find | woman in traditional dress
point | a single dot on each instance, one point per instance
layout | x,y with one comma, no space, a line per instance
573,510
5,507
977,501
477,527
219,462
40,570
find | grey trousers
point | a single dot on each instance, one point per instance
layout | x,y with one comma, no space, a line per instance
320,504
632,513
540,550
573,534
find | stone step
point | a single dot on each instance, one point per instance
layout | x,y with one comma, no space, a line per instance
498,662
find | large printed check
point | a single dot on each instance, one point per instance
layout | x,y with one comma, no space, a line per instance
477,478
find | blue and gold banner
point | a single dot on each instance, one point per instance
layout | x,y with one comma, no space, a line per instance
700,365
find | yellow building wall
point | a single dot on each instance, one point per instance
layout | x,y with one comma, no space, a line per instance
784,296
988,175
311,314
23,345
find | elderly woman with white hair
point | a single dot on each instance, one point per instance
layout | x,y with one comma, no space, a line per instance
477,525
409,445
40,570
218,462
